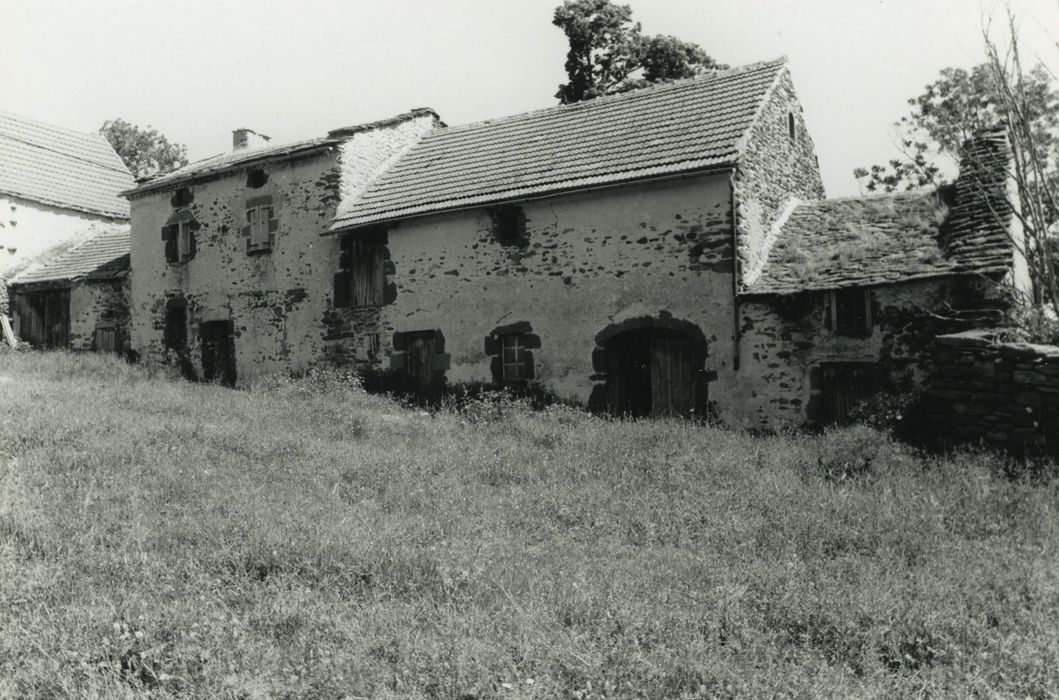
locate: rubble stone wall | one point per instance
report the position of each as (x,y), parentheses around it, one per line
(1005,395)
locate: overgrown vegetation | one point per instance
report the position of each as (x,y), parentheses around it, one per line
(304,539)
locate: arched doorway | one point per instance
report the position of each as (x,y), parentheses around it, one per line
(655,371)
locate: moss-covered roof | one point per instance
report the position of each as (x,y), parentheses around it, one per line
(883,239)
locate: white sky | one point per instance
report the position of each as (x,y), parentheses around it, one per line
(196,69)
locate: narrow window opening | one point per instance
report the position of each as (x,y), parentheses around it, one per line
(176,322)
(183,241)
(256,178)
(509,224)
(181,198)
(791,132)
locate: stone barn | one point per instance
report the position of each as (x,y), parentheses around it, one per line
(79,299)
(666,251)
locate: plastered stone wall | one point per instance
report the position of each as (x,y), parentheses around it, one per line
(774,170)
(28,229)
(95,303)
(1001,394)
(784,338)
(658,251)
(275,299)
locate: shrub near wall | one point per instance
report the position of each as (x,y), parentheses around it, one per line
(1003,394)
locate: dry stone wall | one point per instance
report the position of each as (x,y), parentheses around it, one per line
(1004,395)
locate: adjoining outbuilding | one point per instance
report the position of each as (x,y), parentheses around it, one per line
(79,299)
(55,185)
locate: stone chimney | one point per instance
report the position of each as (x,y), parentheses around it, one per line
(245,139)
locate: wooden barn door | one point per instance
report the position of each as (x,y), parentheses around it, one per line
(44,318)
(654,372)
(218,352)
(672,375)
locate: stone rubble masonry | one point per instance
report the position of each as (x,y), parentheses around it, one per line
(1001,394)
(785,338)
(95,303)
(773,171)
(277,299)
(650,253)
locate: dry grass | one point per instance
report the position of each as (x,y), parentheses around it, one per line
(159,538)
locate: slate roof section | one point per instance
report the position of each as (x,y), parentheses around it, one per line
(869,241)
(665,129)
(103,256)
(856,242)
(61,167)
(233,160)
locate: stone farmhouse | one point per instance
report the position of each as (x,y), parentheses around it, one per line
(78,299)
(667,251)
(56,185)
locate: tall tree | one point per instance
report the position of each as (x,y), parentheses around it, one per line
(950,110)
(609,53)
(999,93)
(145,151)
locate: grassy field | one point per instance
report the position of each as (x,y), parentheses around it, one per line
(302,539)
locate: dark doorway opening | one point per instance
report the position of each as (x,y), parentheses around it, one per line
(44,318)
(218,352)
(656,372)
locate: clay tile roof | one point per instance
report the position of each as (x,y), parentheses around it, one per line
(865,241)
(103,255)
(61,167)
(670,128)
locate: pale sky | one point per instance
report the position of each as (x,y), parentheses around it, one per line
(195,70)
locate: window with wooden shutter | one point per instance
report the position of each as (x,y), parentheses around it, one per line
(183,241)
(851,312)
(259,218)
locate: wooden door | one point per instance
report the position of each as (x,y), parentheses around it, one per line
(44,318)
(419,364)
(673,375)
(843,385)
(218,352)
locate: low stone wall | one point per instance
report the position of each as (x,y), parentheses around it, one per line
(1005,395)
